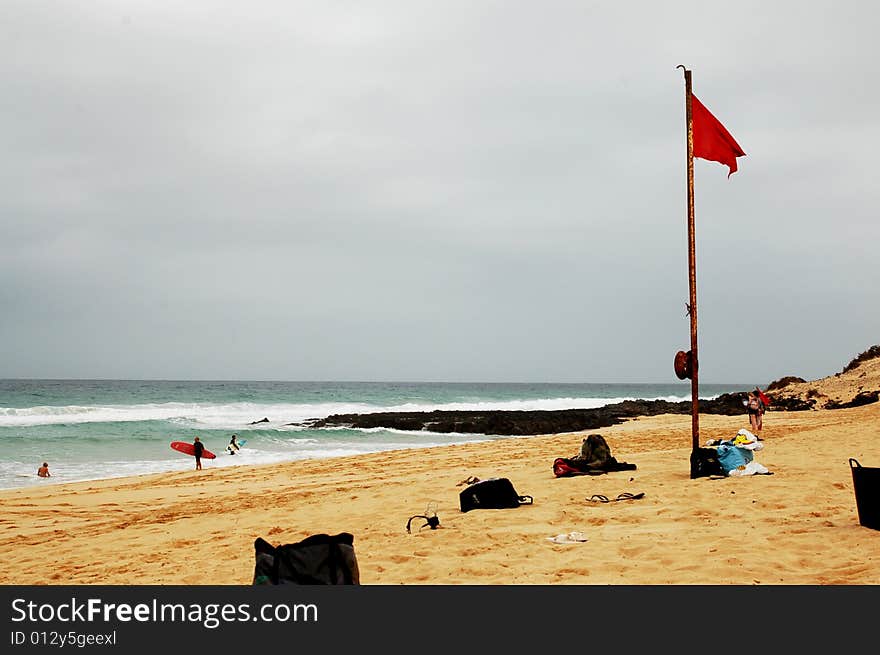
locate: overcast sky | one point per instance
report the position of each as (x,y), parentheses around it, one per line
(409,190)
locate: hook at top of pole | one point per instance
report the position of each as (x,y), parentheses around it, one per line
(681,66)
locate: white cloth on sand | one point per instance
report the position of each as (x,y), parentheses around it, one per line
(752,468)
(745,439)
(569,538)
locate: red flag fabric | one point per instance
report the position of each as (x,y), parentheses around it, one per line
(711,139)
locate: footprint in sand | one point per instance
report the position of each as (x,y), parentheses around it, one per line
(631,552)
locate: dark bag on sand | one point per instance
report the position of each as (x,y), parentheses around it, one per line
(595,458)
(494,493)
(567,466)
(319,559)
(705,462)
(595,452)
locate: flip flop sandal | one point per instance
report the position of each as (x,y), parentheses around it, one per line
(599,498)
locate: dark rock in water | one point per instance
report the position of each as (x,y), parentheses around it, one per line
(262,420)
(511,423)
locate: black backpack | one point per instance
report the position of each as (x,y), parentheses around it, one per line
(319,559)
(705,463)
(494,493)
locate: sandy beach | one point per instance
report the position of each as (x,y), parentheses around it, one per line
(263,220)
(797,526)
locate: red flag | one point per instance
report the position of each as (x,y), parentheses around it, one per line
(711,139)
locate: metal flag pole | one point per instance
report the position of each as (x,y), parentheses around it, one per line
(692,266)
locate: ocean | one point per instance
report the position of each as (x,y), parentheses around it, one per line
(95,429)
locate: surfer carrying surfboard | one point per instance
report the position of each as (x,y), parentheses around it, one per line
(233,445)
(43,471)
(198,449)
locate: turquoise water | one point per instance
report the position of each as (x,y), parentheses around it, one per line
(93,429)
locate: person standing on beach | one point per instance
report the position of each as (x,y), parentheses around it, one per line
(198,449)
(754,406)
(43,471)
(763,401)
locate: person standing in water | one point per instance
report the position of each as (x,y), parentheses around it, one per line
(43,471)
(233,445)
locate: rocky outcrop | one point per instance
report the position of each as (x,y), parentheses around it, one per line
(862,398)
(856,385)
(791,404)
(516,423)
(781,383)
(871,353)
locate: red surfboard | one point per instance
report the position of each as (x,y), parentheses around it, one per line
(187,448)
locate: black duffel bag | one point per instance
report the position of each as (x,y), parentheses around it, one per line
(494,493)
(319,559)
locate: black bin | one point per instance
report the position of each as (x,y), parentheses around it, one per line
(866,482)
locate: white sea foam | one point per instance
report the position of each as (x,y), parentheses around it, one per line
(205,416)
(540,404)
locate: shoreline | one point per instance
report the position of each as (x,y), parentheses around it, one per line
(468,425)
(98,429)
(798,526)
